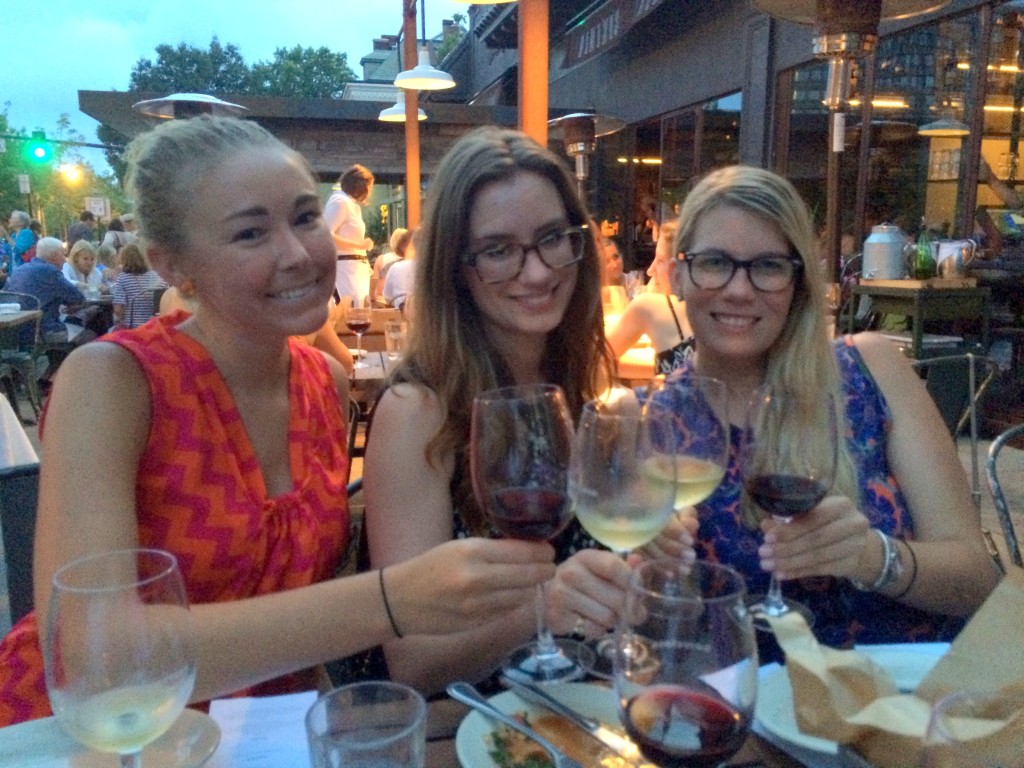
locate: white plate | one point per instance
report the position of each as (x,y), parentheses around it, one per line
(189,743)
(471,744)
(906,664)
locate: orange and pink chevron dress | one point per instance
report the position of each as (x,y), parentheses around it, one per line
(200,494)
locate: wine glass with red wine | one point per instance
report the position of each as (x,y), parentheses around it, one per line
(689,702)
(520,445)
(788,463)
(358,320)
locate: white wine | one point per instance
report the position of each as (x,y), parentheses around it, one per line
(695,479)
(630,517)
(123,720)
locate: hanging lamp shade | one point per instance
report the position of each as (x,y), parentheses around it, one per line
(811,11)
(179,105)
(396,113)
(946,126)
(424,77)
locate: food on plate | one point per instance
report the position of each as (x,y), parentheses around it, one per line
(510,749)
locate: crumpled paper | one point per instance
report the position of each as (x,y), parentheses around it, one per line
(845,697)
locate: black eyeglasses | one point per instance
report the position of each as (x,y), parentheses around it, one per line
(557,248)
(768,272)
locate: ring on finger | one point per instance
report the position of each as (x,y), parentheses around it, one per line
(579,626)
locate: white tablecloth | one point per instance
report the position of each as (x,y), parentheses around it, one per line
(15,447)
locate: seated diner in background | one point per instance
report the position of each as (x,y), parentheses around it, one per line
(81,271)
(510,295)
(226,393)
(895,552)
(43,279)
(400,277)
(656,313)
(134,289)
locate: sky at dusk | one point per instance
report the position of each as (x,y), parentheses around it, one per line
(52,49)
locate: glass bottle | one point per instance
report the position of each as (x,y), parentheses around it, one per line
(922,265)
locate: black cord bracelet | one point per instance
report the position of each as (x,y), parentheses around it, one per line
(387,605)
(913,572)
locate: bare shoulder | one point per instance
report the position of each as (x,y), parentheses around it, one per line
(339,375)
(108,370)
(411,407)
(883,358)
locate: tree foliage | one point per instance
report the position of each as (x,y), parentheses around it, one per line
(303,73)
(187,69)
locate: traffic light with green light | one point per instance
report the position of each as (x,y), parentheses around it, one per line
(38,149)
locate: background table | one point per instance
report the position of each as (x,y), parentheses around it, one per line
(923,304)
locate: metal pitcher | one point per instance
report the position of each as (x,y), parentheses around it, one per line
(883,253)
(953,256)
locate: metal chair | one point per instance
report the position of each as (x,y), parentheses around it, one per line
(22,356)
(998,498)
(957,383)
(19,494)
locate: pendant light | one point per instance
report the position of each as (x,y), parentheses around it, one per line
(396,113)
(947,126)
(424,77)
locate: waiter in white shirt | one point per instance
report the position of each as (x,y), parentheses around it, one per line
(348,229)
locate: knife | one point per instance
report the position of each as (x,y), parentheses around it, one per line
(534,694)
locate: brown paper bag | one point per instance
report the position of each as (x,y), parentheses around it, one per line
(845,697)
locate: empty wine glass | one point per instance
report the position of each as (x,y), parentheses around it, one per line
(358,320)
(520,446)
(120,650)
(622,480)
(700,436)
(786,472)
(974,729)
(689,700)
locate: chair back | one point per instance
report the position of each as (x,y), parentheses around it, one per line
(378,317)
(19,494)
(998,497)
(957,383)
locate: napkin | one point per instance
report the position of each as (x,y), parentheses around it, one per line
(845,697)
(8,308)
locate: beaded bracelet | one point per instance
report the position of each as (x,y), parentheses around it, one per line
(892,566)
(387,605)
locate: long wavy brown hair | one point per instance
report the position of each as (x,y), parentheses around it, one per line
(448,351)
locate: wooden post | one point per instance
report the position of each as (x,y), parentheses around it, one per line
(412,123)
(533,69)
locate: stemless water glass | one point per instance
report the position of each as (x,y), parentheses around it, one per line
(520,446)
(689,700)
(974,729)
(621,482)
(358,320)
(785,472)
(700,437)
(119,650)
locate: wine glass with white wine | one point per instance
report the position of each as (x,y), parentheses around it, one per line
(120,650)
(621,482)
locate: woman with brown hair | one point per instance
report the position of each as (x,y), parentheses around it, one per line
(133,291)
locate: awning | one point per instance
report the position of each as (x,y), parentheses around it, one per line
(603,29)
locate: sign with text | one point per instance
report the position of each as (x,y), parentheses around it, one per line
(602,29)
(100,206)
(24,187)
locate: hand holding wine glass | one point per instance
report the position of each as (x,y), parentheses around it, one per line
(689,700)
(787,471)
(520,446)
(358,320)
(119,650)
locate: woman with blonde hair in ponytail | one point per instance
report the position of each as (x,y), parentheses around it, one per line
(894,553)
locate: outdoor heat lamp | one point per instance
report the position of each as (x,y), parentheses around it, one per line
(843,31)
(184,105)
(579,132)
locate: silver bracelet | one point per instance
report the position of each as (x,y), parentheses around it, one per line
(892,566)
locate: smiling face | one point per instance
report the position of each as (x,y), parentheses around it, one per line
(519,209)
(736,324)
(259,253)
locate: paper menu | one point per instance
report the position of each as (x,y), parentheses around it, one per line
(265,732)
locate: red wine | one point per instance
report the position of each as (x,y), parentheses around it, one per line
(534,514)
(785,495)
(358,326)
(677,727)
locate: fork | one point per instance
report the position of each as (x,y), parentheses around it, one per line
(471,697)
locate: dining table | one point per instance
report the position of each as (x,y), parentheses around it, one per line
(10,320)
(44,744)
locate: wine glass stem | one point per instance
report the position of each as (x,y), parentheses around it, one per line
(131,760)
(359,346)
(546,646)
(774,604)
